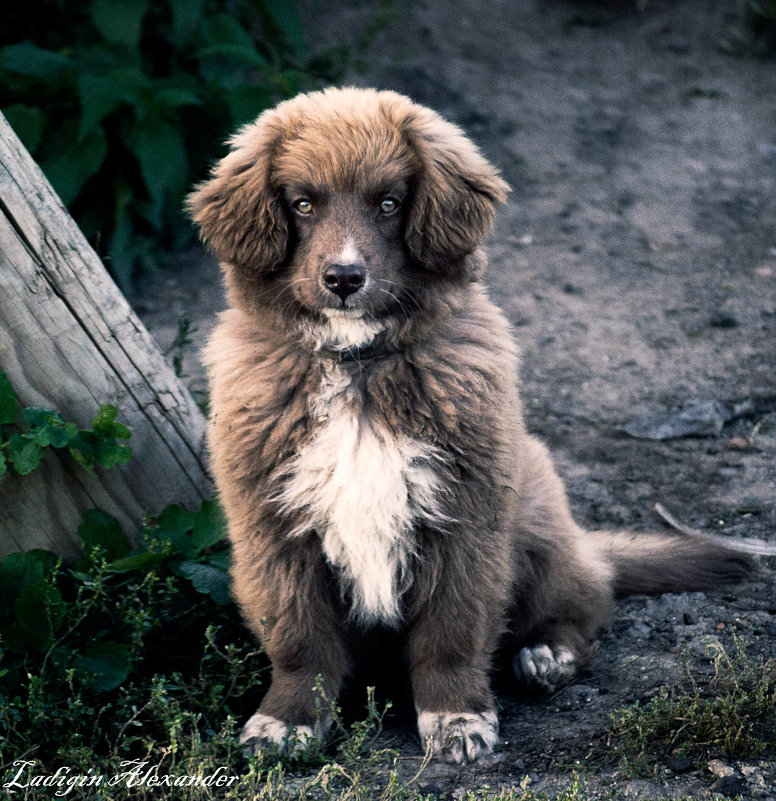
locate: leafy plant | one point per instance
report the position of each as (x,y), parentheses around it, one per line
(23,451)
(124,102)
(122,657)
(179,344)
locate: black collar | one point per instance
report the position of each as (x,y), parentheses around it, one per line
(355,354)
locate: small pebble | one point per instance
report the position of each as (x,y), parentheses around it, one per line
(729,786)
(719,768)
(678,764)
(737,444)
(722,320)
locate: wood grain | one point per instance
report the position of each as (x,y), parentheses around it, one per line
(69,341)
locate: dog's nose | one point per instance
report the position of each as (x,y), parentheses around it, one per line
(344,279)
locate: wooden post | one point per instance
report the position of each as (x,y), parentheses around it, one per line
(69,341)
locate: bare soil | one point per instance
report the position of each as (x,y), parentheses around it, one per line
(637,262)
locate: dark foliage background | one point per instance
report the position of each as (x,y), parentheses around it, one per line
(123,103)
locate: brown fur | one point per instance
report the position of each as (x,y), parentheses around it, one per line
(498,561)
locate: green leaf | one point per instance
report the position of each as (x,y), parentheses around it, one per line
(208,580)
(121,256)
(61,435)
(3,468)
(19,641)
(186,18)
(28,122)
(225,29)
(104,423)
(48,428)
(175,519)
(19,570)
(40,610)
(98,97)
(173,526)
(58,435)
(9,406)
(135,86)
(160,149)
(221,559)
(70,169)
(99,447)
(285,15)
(26,59)
(237,52)
(100,530)
(247,101)
(36,417)
(174,98)
(138,561)
(84,449)
(209,525)
(110,453)
(24,453)
(119,21)
(105,665)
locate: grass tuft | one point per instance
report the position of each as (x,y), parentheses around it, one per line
(733,714)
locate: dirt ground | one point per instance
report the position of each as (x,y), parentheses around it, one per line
(637,261)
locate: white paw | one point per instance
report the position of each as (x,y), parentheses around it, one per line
(459,736)
(262,730)
(543,667)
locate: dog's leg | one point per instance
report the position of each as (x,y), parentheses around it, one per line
(288,602)
(450,647)
(449,671)
(563,585)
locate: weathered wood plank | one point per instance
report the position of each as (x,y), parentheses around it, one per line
(70,341)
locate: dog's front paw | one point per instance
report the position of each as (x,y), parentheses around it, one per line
(543,668)
(459,736)
(262,731)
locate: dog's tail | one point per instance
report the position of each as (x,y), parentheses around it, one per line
(686,562)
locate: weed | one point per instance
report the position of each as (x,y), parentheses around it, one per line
(178,346)
(733,713)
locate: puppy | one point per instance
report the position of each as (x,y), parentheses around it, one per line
(367,437)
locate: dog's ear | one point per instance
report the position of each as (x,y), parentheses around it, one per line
(239,214)
(455,196)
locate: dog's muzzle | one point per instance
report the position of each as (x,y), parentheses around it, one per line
(344,279)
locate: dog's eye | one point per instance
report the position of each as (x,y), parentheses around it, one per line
(388,205)
(303,206)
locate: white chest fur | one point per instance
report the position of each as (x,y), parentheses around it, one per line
(363,490)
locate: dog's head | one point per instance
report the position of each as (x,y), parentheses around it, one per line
(343,202)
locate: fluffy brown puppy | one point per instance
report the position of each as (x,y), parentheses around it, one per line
(367,437)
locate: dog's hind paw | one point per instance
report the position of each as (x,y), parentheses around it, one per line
(543,668)
(262,731)
(459,736)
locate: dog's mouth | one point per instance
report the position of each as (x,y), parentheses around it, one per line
(343,313)
(352,307)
